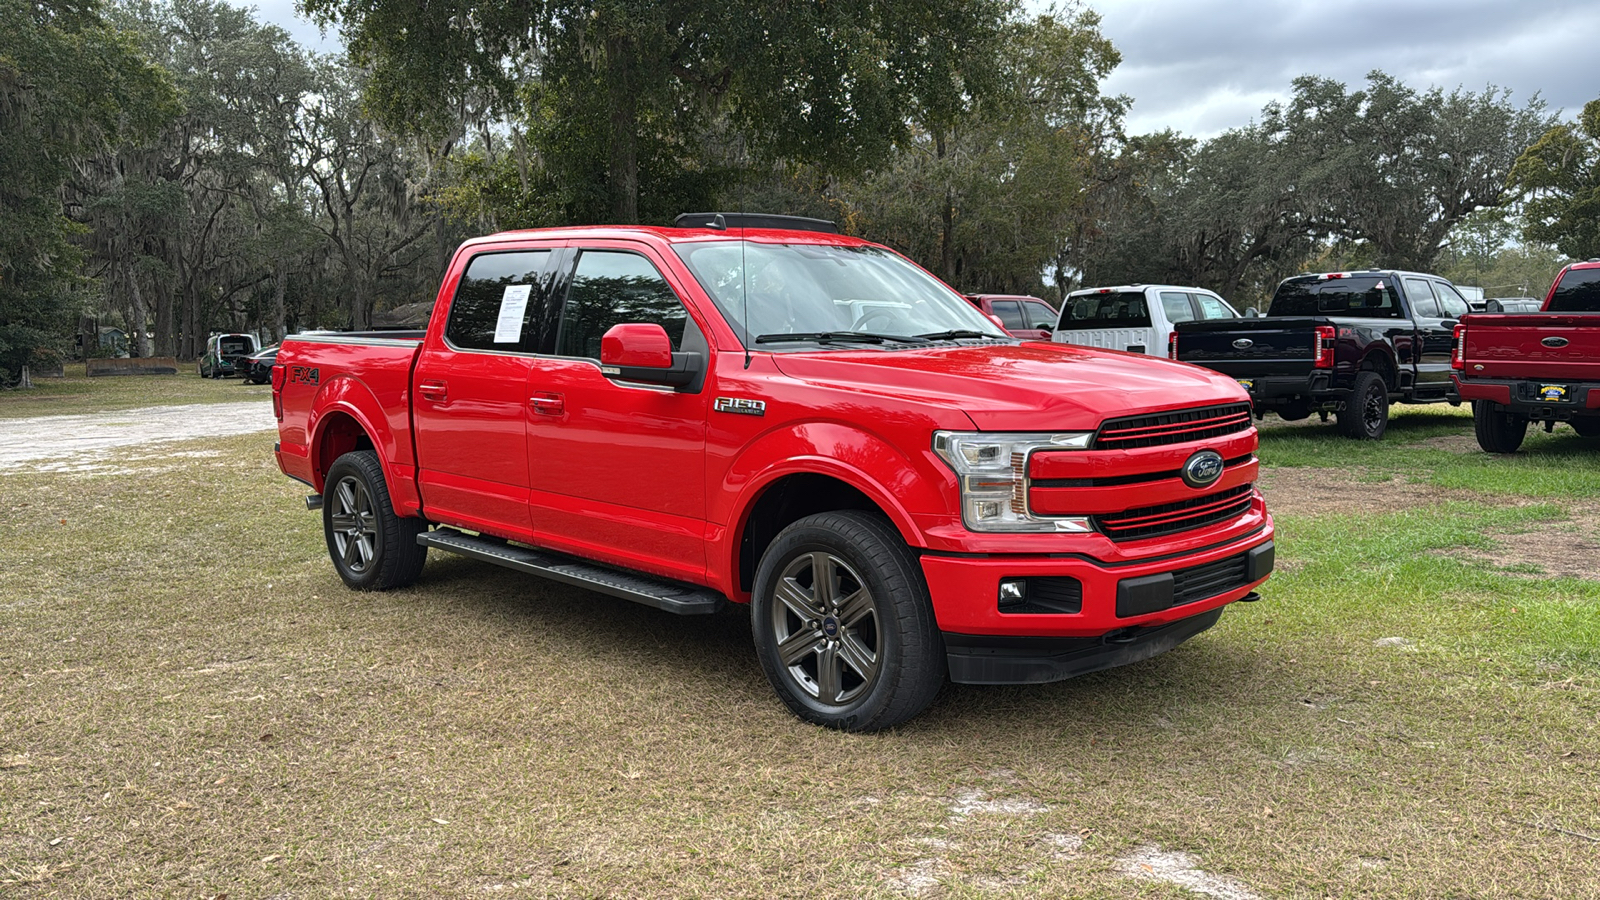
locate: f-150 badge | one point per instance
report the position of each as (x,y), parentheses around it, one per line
(741,405)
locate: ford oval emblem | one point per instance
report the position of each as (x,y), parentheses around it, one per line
(1202,469)
(1555,342)
(1243,344)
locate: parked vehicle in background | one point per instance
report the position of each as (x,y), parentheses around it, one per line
(258,366)
(226,354)
(1347,343)
(1517,368)
(790,418)
(1137,318)
(1511,305)
(1473,295)
(1022,316)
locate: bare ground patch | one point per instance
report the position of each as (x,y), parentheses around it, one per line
(1322,492)
(1562,548)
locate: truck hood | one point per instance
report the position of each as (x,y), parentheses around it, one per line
(1032,386)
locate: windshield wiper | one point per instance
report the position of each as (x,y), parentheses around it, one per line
(839,337)
(957,333)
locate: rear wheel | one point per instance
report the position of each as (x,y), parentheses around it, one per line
(372,548)
(1366,415)
(1498,431)
(1586,427)
(843,624)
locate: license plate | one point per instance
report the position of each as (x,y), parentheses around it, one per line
(1248,384)
(1553,393)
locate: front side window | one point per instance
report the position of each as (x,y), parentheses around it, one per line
(610,287)
(766,291)
(1039,315)
(498,303)
(1176,305)
(1212,308)
(1451,303)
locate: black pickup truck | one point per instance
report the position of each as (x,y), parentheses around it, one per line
(1347,343)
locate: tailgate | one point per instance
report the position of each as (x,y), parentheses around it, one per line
(1542,346)
(1249,348)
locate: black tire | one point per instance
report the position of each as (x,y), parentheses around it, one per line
(1498,431)
(1366,416)
(372,548)
(826,638)
(1586,427)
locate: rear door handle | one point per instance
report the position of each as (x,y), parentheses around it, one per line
(547,403)
(432,390)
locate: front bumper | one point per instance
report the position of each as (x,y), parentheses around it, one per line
(1121,610)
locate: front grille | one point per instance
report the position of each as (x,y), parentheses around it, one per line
(1173,427)
(1171,518)
(1209,580)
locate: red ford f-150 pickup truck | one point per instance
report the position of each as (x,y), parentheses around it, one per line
(794,419)
(1518,368)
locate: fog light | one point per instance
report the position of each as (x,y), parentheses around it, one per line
(1013,590)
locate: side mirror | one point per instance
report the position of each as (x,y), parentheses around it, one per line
(642,352)
(996,319)
(1251,312)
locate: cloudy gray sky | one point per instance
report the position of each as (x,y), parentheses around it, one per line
(1203,66)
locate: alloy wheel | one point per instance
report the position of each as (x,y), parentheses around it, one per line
(826,628)
(355,524)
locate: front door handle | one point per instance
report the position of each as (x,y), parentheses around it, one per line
(547,403)
(432,390)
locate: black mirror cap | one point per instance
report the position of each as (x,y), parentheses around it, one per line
(724,221)
(685,373)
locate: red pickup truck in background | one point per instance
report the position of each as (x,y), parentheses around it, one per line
(1020,315)
(793,419)
(1518,368)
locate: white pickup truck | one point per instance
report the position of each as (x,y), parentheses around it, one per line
(1137,318)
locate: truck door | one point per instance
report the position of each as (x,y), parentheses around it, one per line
(1433,336)
(470,401)
(617,469)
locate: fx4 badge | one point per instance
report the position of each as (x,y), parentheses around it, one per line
(741,406)
(305,375)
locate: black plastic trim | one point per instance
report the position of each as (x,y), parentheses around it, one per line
(1007,659)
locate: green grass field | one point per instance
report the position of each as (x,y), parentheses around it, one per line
(192,705)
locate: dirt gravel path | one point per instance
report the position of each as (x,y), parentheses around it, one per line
(82,442)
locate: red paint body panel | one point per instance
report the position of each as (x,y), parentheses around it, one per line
(549,451)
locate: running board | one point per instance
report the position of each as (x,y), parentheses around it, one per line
(670,596)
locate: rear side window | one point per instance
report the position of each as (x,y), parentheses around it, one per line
(610,287)
(1125,309)
(499,302)
(1176,305)
(1361,296)
(1578,291)
(1010,313)
(1421,297)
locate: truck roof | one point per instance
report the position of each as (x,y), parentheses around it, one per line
(673,235)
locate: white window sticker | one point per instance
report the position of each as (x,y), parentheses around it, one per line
(513,304)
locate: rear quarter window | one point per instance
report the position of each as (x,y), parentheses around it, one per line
(1365,297)
(1577,291)
(1125,309)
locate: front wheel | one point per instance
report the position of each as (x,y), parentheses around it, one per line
(843,624)
(372,548)
(1498,431)
(1366,415)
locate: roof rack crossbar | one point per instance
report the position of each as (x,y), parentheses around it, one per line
(754,220)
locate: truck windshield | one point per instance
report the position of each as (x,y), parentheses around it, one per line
(818,292)
(1578,291)
(1362,296)
(1121,309)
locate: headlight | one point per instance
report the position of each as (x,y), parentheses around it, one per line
(993,470)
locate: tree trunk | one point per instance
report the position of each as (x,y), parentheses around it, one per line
(622,174)
(141,340)
(947,215)
(280,275)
